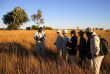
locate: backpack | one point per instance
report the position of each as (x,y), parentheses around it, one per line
(104,46)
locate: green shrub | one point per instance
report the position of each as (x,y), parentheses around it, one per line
(34,27)
(28,28)
(12,27)
(48,28)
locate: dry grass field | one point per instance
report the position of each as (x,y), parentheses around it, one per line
(18,55)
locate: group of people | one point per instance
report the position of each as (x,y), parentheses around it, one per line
(87,49)
(64,46)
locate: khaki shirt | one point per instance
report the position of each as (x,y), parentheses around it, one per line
(94,44)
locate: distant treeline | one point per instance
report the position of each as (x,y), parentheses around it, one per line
(34,27)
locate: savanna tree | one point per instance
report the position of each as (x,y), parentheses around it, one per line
(17,16)
(77,27)
(37,18)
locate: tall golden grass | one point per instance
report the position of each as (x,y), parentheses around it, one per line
(18,55)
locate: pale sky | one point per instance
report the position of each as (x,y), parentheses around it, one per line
(62,14)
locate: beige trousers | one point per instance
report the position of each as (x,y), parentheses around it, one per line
(97,63)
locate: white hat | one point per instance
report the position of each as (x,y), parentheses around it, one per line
(59,31)
(89,29)
(65,31)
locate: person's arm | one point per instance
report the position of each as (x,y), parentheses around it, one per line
(44,37)
(76,43)
(96,46)
(80,45)
(84,45)
(59,42)
(56,41)
(68,44)
(67,41)
(62,42)
(35,36)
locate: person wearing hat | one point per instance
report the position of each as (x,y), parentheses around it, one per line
(88,51)
(94,49)
(59,43)
(65,41)
(72,52)
(82,46)
(40,37)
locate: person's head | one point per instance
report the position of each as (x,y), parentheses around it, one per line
(81,33)
(73,32)
(58,32)
(65,32)
(89,31)
(40,29)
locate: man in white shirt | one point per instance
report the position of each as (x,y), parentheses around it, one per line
(95,50)
(40,37)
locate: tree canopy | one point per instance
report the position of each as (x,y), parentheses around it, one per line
(17,16)
(7,18)
(37,18)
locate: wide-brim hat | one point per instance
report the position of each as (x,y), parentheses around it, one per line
(65,31)
(89,29)
(58,31)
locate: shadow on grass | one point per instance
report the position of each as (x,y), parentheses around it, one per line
(20,50)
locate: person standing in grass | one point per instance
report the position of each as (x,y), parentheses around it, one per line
(82,47)
(59,43)
(72,52)
(40,37)
(65,41)
(88,51)
(97,57)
